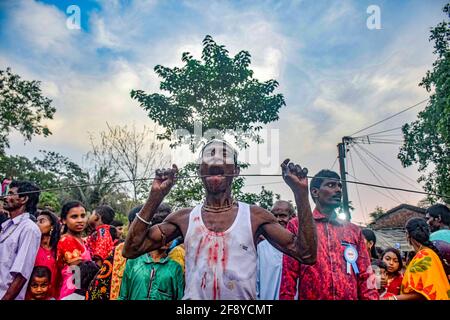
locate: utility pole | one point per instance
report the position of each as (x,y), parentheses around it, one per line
(342,150)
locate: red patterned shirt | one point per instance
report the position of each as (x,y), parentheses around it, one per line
(100,242)
(328,278)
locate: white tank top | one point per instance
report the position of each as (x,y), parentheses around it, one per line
(220,265)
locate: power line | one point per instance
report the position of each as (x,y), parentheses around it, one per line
(243,175)
(390,117)
(391,169)
(376,133)
(357,190)
(379,179)
(334,163)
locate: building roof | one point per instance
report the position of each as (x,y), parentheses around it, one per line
(405,206)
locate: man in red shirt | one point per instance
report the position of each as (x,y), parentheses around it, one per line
(343,269)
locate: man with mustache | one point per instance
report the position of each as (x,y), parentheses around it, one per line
(220,234)
(20,238)
(343,265)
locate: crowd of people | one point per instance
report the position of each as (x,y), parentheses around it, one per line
(220,249)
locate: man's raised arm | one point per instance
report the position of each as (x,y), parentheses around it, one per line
(141,237)
(303,245)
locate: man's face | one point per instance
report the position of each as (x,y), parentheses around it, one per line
(217,164)
(433,222)
(281,211)
(13,201)
(330,193)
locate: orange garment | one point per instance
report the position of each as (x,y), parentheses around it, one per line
(425,275)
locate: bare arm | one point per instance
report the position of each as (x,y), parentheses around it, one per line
(302,246)
(141,238)
(15,287)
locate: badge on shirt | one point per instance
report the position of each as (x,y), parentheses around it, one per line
(351,255)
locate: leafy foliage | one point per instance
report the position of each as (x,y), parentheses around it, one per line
(218,91)
(22,107)
(427,140)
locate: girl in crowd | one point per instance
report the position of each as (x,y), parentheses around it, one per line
(71,248)
(40,286)
(394,264)
(371,241)
(49,225)
(424,277)
(88,270)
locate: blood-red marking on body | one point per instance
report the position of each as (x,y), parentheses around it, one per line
(224,255)
(216,289)
(203,284)
(199,248)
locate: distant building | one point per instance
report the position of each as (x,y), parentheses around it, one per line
(389,228)
(397,217)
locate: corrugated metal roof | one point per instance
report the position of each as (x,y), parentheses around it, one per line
(392,238)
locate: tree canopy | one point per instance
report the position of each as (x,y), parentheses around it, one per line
(22,107)
(427,139)
(217,91)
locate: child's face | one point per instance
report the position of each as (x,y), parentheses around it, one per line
(391,261)
(39,288)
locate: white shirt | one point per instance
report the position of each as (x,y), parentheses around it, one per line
(220,265)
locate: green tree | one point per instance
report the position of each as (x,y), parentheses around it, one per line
(377,213)
(427,139)
(50,201)
(218,91)
(22,107)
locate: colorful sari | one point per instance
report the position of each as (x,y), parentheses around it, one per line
(70,251)
(106,284)
(425,275)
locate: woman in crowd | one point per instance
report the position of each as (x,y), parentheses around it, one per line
(424,277)
(71,248)
(50,227)
(371,241)
(394,264)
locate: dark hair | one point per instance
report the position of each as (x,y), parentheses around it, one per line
(40,272)
(67,207)
(440,210)
(32,192)
(399,257)
(106,213)
(113,232)
(370,236)
(117,223)
(379,263)
(88,270)
(133,212)
(320,177)
(56,232)
(161,213)
(419,230)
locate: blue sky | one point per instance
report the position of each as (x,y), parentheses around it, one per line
(336,74)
